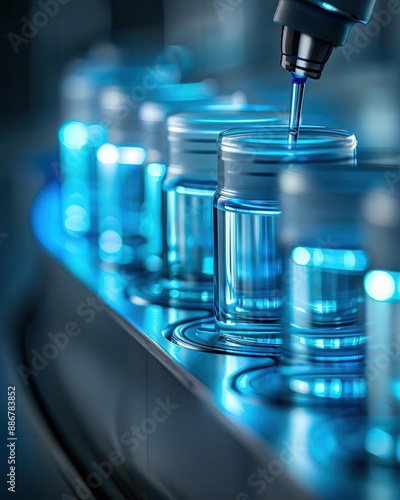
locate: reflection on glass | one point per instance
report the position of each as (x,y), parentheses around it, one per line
(78,147)
(327,295)
(120,193)
(189,230)
(383,365)
(153,178)
(249,265)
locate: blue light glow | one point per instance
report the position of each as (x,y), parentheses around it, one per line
(301,256)
(156,169)
(330,7)
(380,285)
(78,146)
(379,443)
(192,191)
(395,388)
(74,135)
(97,135)
(319,387)
(336,389)
(300,386)
(76,219)
(318,257)
(110,242)
(108,154)
(351,260)
(132,155)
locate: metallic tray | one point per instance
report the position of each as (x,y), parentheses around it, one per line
(176,422)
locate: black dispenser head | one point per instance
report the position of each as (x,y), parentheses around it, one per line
(311,29)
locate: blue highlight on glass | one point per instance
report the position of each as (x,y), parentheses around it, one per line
(78,144)
(119,170)
(326,288)
(153,179)
(352,260)
(383,286)
(381,215)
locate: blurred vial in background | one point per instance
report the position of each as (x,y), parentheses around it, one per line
(162,102)
(109,89)
(326,261)
(382,284)
(247,210)
(98,96)
(153,115)
(78,145)
(188,189)
(119,185)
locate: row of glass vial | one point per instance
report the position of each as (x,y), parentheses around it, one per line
(281,214)
(305,256)
(326,268)
(105,184)
(271,235)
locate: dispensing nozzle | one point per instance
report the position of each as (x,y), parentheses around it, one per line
(303,54)
(312,29)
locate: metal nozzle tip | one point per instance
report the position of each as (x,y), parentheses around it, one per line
(304,55)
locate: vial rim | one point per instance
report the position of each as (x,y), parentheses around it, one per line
(198,121)
(272,141)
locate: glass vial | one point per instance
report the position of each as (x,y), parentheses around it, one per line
(382,285)
(189,188)
(153,113)
(247,211)
(119,190)
(326,262)
(78,145)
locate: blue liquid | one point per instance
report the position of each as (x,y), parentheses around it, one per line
(248,268)
(326,303)
(189,252)
(296,106)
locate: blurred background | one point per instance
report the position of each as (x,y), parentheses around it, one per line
(233,43)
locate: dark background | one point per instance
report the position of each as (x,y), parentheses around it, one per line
(362,96)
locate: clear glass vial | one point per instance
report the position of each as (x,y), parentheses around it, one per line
(247,211)
(382,284)
(326,262)
(153,113)
(188,190)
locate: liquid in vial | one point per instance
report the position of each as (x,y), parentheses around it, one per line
(248,268)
